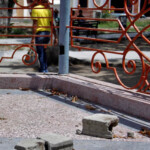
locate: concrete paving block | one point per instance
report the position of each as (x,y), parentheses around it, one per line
(57,142)
(31,144)
(99,125)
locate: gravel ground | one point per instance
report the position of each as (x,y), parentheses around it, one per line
(31,113)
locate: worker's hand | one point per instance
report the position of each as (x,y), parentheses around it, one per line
(55,41)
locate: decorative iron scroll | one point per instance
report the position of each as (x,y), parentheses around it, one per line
(129,68)
(26,58)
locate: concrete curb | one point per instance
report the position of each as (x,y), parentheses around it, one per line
(99,92)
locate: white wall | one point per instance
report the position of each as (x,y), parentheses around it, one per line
(56,2)
(91,4)
(26,11)
(75,3)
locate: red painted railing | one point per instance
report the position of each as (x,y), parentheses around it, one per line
(25,58)
(143,84)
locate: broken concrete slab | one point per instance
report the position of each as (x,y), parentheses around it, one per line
(31,144)
(56,142)
(99,125)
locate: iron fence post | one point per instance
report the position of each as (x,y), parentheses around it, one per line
(64,37)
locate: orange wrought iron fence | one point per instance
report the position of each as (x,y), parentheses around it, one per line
(129,67)
(86,28)
(21,27)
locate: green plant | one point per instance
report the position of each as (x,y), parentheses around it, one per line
(141,23)
(108,24)
(105,14)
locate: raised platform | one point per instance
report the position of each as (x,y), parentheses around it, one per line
(106,94)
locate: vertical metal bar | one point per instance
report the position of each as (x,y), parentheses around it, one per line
(64,36)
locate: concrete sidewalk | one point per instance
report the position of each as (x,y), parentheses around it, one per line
(113,59)
(84,56)
(110,145)
(87,56)
(8,144)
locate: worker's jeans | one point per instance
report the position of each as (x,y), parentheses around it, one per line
(41,50)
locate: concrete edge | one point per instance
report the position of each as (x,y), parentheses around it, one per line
(106,94)
(30,81)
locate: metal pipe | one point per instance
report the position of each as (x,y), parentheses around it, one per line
(64,37)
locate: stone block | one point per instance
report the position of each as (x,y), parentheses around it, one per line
(57,142)
(31,144)
(99,125)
